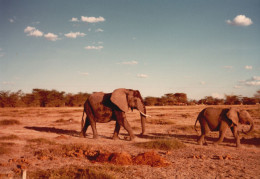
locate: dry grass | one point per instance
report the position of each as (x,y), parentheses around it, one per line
(9,137)
(160,121)
(5,148)
(162,144)
(48,139)
(72,172)
(41,141)
(6,122)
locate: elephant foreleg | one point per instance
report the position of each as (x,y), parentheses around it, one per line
(116,132)
(121,119)
(236,135)
(94,128)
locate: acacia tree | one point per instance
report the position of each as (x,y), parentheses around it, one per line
(77,99)
(257,96)
(10,99)
(233,99)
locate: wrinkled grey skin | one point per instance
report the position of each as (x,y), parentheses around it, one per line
(217,119)
(104,107)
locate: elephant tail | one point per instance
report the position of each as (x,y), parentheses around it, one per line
(195,124)
(199,116)
(82,119)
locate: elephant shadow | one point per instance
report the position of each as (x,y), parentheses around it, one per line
(73,133)
(192,139)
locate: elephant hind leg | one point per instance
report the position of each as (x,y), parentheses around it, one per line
(85,127)
(116,132)
(204,131)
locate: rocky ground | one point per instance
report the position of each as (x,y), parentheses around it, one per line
(45,143)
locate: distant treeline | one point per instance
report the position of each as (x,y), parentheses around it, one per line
(54,98)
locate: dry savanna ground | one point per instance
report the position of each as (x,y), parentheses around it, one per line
(45,143)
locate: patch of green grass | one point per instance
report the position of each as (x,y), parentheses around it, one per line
(9,137)
(162,144)
(9,122)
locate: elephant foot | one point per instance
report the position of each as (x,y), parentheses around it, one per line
(141,134)
(81,135)
(116,138)
(95,137)
(239,146)
(200,142)
(132,138)
(215,143)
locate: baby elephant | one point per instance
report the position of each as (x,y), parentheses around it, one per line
(218,119)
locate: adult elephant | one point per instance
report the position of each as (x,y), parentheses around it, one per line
(104,107)
(218,119)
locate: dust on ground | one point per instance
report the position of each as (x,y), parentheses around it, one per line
(45,143)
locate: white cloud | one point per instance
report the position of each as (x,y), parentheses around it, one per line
(74,19)
(217,95)
(29,29)
(51,37)
(228,67)
(129,63)
(92,19)
(8,83)
(84,73)
(142,76)
(94,47)
(240,20)
(257,78)
(237,87)
(1,53)
(247,67)
(99,30)
(202,82)
(35,33)
(32,31)
(74,35)
(254,81)
(11,20)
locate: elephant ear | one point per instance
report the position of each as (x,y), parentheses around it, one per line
(232,114)
(118,97)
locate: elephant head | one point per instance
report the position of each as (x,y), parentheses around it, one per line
(240,116)
(127,98)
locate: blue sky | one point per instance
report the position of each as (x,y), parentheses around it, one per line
(202,48)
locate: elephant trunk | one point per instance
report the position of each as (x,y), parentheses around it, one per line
(251,122)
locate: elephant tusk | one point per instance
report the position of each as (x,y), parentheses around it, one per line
(146,115)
